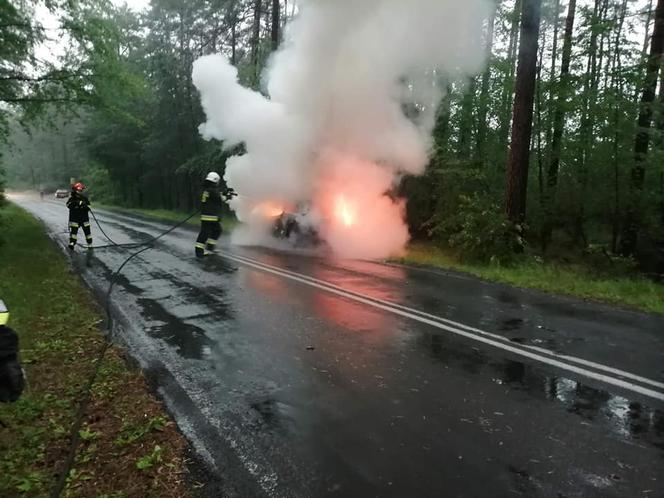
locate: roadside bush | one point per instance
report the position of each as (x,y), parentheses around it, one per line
(599,259)
(480,232)
(436,194)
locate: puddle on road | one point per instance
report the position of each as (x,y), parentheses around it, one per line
(190,341)
(273,415)
(625,418)
(555,344)
(511,324)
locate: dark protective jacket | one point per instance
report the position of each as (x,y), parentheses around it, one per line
(78,205)
(210,202)
(11,373)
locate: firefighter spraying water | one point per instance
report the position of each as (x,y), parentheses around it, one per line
(211,204)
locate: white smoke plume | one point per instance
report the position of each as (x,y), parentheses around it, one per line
(332,129)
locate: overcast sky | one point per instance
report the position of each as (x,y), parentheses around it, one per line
(133,4)
(55,46)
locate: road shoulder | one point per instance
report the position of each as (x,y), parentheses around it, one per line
(129,446)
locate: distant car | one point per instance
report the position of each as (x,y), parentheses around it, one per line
(60,193)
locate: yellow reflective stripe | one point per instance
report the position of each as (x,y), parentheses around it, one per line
(4,318)
(73,237)
(212,242)
(200,245)
(86,224)
(206,217)
(73,225)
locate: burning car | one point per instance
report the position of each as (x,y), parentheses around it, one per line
(297,228)
(301,226)
(297,224)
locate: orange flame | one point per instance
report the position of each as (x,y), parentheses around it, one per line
(344,211)
(268,210)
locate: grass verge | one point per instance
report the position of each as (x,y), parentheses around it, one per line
(227,222)
(129,446)
(572,280)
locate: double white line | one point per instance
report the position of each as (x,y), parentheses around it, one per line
(584,368)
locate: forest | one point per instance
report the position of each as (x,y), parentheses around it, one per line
(555,148)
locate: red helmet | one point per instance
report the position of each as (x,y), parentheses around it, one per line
(79,187)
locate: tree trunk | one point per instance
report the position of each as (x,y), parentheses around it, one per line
(517,173)
(484,88)
(642,140)
(604,12)
(234,44)
(561,103)
(610,49)
(552,93)
(558,127)
(276,14)
(466,121)
(441,130)
(659,122)
(646,38)
(617,89)
(644,51)
(589,91)
(256,40)
(234,22)
(508,86)
(537,141)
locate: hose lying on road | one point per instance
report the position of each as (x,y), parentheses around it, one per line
(112,242)
(131,244)
(57,490)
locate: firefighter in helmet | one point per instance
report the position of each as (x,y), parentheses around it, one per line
(12,380)
(211,202)
(79,207)
(210,215)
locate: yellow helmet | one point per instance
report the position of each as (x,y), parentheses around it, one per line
(4,313)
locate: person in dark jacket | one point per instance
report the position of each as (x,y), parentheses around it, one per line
(79,207)
(210,216)
(12,381)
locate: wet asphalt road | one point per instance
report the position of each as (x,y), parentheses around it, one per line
(302,376)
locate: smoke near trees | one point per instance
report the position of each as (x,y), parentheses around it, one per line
(332,127)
